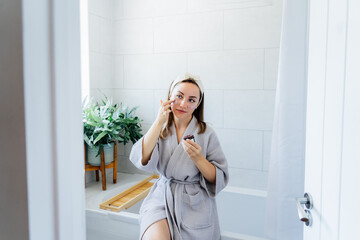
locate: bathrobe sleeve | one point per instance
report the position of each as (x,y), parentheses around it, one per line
(136,157)
(215,155)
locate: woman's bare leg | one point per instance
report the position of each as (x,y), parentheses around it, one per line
(158,231)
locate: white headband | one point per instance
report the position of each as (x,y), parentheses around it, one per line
(187,76)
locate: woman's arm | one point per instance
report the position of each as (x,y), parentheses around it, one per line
(152,135)
(207,169)
(149,141)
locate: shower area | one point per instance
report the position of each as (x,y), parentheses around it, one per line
(137,47)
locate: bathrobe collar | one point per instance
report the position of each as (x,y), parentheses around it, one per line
(176,149)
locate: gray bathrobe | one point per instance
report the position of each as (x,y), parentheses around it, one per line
(181,194)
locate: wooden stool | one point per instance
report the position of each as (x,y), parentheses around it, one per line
(102,167)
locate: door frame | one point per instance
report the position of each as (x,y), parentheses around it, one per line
(54,142)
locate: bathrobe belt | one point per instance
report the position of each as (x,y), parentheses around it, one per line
(173,219)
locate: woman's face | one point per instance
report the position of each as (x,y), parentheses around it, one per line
(187,96)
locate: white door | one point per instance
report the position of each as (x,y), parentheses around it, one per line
(332,174)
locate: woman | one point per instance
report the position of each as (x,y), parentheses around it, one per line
(181,204)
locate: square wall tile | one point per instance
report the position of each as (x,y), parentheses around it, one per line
(94,33)
(128,148)
(267,150)
(271,68)
(214,108)
(103,8)
(169,7)
(118,71)
(153,71)
(249,109)
(138,8)
(248,178)
(213,5)
(143,99)
(101,70)
(134,36)
(230,69)
(118,10)
(146,8)
(120,149)
(252,28)
(243,149)
(195,32)
(126,166)
(107,36)
(160,94)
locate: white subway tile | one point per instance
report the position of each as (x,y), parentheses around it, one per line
(242,148)
(103,8)
(169,34)
(128,147)
(99,7)
(138,8)
(160,94)
(131,9)
(126,166)
(139,72)
(92,6)
(118,11)
(195,32)
(248,178)
(153,71)
(213,108)
(213,5)
(271,68)
(229,69)
(267,150)
(107,36)
(134,36)
(252,28)
(118,72)
(120,150)
(169,7)
(143,99)
(101,70)
(94,33)
(249,109)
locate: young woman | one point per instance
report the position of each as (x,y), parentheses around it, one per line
(187,154)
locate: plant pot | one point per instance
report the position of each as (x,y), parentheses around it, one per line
(96,161)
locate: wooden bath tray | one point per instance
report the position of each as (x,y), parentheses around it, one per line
(130,196)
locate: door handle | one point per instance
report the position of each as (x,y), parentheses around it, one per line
(304,214)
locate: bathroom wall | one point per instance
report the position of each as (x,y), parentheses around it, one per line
(137,47)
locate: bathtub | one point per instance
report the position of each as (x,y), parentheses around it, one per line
(241,214)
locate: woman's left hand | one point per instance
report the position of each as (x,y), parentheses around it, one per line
(193,150)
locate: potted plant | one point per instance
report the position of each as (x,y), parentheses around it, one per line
(106,123)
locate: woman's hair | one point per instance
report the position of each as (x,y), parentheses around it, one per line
(198,113)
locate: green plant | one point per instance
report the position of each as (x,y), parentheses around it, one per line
(109,122)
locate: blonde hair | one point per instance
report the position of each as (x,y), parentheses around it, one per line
(198,113)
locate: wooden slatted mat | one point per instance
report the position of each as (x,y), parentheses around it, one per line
(130,196)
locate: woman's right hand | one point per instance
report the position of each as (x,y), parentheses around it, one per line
(164,111)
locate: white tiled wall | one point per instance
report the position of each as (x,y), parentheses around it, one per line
(137,47)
